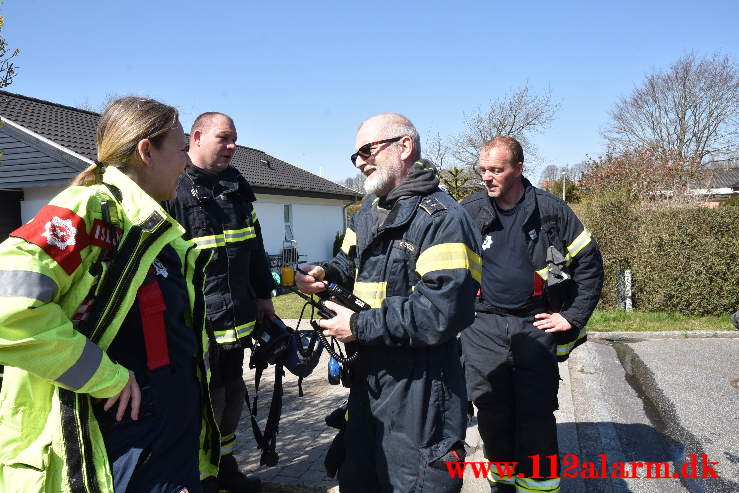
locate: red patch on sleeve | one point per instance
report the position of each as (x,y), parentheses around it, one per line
(104,237)
(60,232)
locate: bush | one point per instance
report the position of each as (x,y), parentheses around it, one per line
(613,222)
(732,201)
(687,260)
(338,240)
(683,257)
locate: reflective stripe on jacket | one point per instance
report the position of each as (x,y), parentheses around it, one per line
(49,439)
(217,213)
(550,221)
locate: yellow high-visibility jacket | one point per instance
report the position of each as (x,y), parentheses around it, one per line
(49,438)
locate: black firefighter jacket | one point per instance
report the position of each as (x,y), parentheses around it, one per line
(217,212)
(550,221)
(418,267)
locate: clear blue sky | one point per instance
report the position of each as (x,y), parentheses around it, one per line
(298,77)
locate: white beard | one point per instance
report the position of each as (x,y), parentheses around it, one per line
(381,180)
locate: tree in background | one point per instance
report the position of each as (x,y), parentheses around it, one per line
(7,72)
(641,175)
(572,194)
(7,68)
(551,173)
(520,114)
(459,182)
(552,176)
(692,110)
(355,183)
(437,151)
(682,256)
(576,171)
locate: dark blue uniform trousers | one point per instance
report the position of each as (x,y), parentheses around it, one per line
(512,377)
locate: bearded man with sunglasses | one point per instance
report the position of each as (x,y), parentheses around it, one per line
(411,253)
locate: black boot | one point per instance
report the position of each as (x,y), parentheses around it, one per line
(233,480)
(209,485)
(502,488)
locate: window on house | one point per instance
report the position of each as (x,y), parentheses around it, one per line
(288,217)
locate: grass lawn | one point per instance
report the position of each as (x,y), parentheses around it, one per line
(289,306)
(620,321)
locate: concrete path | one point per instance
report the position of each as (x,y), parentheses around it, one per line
(637,397)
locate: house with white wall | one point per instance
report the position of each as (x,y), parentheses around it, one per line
(44,145)
(719,181)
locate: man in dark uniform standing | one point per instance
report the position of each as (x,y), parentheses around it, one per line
(214,204)
(411,254)
(541,279)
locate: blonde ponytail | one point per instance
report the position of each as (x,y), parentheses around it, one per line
(90,176)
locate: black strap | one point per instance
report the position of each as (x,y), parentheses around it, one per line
(536,305)
(267,440)
(254,425)
(257,378)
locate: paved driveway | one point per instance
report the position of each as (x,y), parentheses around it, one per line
(658,398)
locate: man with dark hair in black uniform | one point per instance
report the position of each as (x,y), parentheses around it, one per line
(214,204)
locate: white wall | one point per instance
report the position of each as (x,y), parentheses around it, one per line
(34,199)
(315,224)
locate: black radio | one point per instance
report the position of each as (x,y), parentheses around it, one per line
(338,369)
(343,296)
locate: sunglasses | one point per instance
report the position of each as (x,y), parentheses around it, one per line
(366,150)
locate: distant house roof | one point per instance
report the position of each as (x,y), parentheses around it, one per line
(718,179)
(39,135)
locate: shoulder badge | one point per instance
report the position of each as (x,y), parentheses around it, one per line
(60,232)
(431,205)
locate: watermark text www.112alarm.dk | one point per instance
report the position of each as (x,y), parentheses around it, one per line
(695,466)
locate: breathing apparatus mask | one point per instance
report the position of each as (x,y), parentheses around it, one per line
(271,340)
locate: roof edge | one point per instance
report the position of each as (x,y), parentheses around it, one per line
(69,156)
(293,192)
(52,103)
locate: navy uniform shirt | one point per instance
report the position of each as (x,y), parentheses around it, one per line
(507,273)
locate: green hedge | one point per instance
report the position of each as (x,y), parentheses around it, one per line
(683,259)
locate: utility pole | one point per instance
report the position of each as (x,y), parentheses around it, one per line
(564,180)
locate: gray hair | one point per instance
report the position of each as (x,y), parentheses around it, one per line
(400,127)
(396,125)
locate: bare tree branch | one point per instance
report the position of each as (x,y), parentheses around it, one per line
(550,173)
(519,114)
(691,109)
(356,182)
(7,68)
(436,150)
